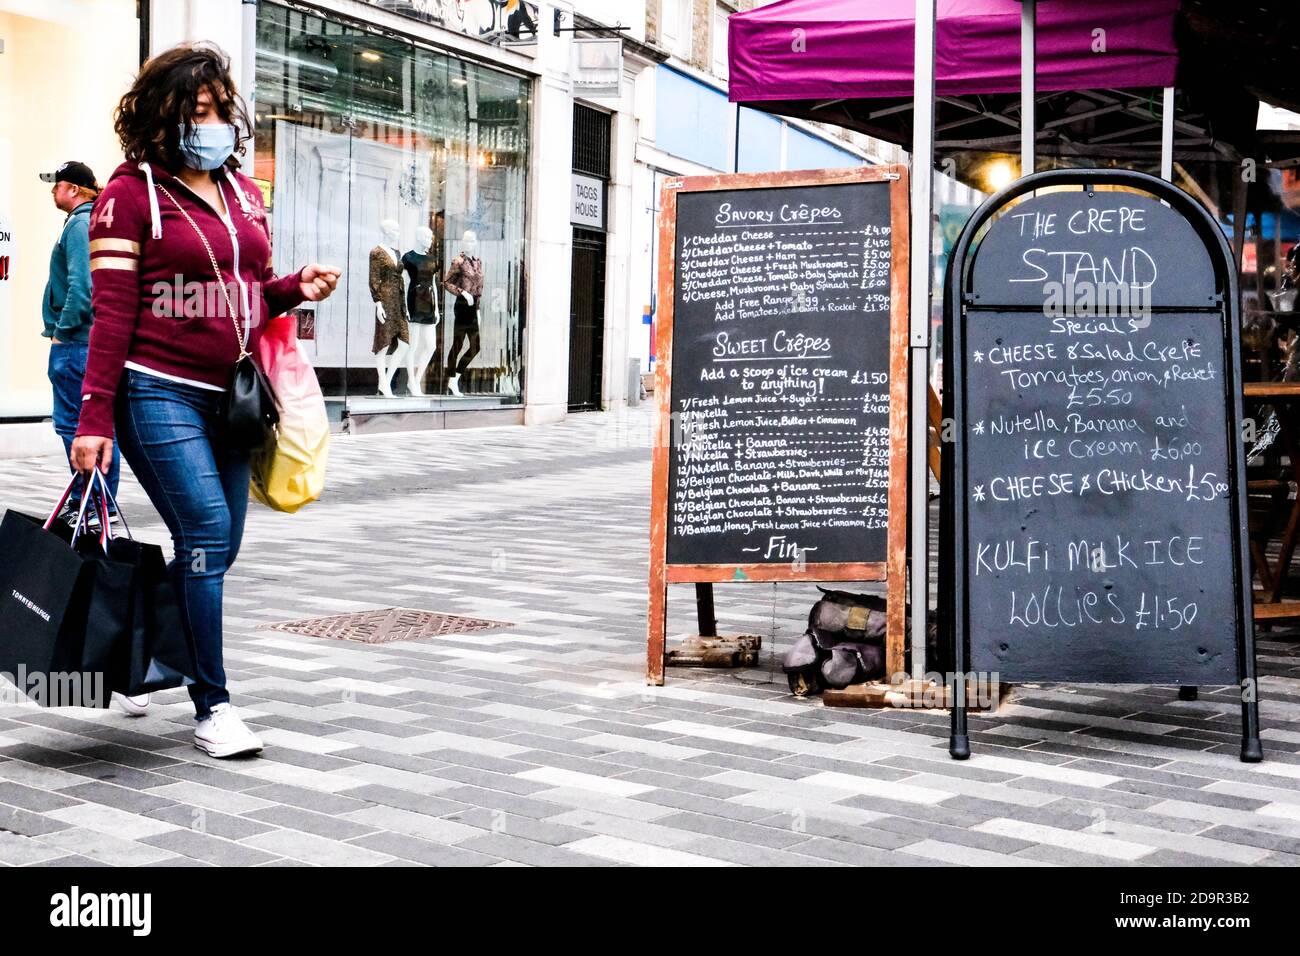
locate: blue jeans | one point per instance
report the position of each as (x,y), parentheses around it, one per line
(169,433)
(67,369)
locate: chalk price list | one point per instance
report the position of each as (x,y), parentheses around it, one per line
(1096,477)
(782,429)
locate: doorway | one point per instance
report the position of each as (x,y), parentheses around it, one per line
(591,168)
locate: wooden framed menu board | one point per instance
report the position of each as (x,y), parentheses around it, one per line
(781,385)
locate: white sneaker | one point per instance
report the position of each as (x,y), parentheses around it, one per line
(134,706)
(452,386)
(223,734)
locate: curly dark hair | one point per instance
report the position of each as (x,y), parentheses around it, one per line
(163,97)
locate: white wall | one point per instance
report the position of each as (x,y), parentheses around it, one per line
(628,13)
(550,250)
(218,21)
(59,84)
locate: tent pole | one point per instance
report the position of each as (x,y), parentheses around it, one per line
(921,272)
(1167,136)
(1027,67)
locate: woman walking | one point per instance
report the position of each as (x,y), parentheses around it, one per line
(178,212)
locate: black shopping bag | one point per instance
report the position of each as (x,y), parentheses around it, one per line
(156,650)
(50,576)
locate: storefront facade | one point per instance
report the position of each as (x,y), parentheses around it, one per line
(404,142)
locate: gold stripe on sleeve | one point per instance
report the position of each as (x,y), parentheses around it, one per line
(114,245)
(114,262)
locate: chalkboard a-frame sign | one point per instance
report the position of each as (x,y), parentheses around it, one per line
(781,386)
(1093,523)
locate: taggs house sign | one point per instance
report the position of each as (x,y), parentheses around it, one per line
(1094,513)
(782,382)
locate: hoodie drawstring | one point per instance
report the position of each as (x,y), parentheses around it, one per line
(239,193)
(154,215)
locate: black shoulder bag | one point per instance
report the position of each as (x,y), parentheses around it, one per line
(249,409)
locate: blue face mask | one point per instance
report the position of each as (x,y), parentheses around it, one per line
(208,146)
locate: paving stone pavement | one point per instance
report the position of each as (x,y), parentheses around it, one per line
(539,744)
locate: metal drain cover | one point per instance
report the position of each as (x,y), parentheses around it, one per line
(385,625)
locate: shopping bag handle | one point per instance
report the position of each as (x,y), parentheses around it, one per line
(88,493)
(63,500)
(86,496)
(107,497)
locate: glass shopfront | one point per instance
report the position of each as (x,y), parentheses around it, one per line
(408,169)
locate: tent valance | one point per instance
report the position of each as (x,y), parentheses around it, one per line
(833,49)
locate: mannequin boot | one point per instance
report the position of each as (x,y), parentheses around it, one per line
(452,384)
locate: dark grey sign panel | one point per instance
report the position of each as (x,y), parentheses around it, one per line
(1099,519)
(1069,244)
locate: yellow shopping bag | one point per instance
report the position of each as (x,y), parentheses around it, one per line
(290,471)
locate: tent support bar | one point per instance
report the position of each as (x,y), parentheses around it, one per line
(1027,68)
(919,338)
(1167,136)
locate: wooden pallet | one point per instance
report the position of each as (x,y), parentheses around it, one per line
(911,694)
(699,650)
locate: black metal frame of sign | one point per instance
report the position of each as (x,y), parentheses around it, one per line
(1121,639)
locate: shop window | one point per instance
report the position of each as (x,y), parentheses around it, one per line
(675,27)
(408,169)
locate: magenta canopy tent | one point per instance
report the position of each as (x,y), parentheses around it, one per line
(835,49)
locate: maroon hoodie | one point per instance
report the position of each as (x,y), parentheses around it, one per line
(155,297)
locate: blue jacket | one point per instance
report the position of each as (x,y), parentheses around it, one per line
(66,305)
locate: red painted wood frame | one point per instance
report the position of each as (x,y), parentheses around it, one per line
(893,570)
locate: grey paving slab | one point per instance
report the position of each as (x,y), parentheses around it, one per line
(528,852)
(424,852)
(209,849)
(539,744)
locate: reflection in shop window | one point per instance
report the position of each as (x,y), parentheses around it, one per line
(398,164)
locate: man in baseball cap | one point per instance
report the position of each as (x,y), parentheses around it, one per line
(78,174)
(66,304)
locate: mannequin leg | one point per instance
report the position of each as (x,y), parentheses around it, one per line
(385,376)
(423,338)
(473,346)
(396,361)
(453,360)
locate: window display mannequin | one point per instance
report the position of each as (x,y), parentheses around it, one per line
(422,270)
(465,281)
(392,330)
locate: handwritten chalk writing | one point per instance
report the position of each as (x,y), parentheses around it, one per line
(1132,266)
(728,214)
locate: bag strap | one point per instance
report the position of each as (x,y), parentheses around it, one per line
(112,502)
(89,494)
(63,500)
(216,269)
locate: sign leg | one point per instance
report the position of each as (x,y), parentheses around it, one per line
(1252,751)
(657,626)
(704,612)
(958,736)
